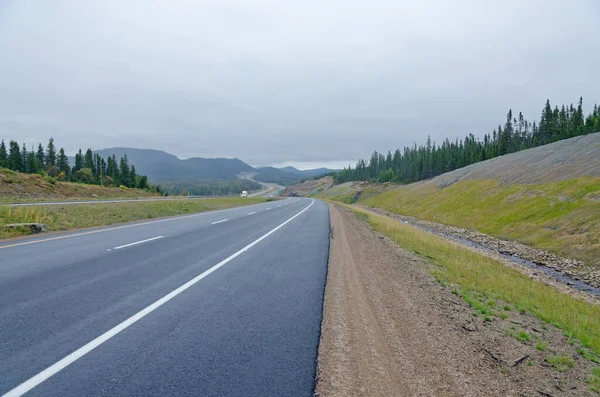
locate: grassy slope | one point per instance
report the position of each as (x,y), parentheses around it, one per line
(479,280)
(69,217)
(15,186)
(562,217)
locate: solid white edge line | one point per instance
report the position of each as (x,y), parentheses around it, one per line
(82,351)
(137,242)
(222,220)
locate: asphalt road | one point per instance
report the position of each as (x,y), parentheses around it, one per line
(227,303)
(269,188)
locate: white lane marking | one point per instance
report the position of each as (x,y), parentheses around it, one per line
(269,208)
(82,351)
(123,227)
(250,213)
(222,220)
(137,242)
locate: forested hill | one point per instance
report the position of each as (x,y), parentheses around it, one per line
(86,167)
(163,167)
(429,160)
(289,175)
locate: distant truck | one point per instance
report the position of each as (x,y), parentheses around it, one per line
(244,194)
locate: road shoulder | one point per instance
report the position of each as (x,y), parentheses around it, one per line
(389,329)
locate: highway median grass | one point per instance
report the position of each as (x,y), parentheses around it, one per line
(77,216)
(478,275)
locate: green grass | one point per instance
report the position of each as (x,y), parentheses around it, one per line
(523,337)
(561,363)
(76,216)
(541,346)
(594,381)
(588,355)
(342,193)
(561,217)
(478,275)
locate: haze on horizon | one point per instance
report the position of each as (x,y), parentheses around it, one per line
(288,83)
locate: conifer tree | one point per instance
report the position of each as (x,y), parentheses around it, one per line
(63,163)
(41,155)
(24,162)
(124,180)
(33,163)
(79,162)
(132,177)
(50,160)
(3,155)
(15,162)
(88,161)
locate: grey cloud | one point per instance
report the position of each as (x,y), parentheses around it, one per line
(275,82)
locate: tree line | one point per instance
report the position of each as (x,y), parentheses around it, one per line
(429,160)
(223,188)
(89,167)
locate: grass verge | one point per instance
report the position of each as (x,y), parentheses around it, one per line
(76,216)
(561,217)
(480,275)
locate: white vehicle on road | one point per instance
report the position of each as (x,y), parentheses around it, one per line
(244,194)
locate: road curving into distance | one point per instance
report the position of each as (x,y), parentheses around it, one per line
(220,303)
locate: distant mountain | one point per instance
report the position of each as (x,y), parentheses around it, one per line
(288,175)
(293,170)
(164,168)
(161,167)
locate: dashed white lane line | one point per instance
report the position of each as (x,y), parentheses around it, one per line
(222,220)
(268,208)
(85,349)
(137,242)
(250,213)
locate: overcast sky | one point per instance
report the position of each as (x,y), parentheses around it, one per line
(308,82)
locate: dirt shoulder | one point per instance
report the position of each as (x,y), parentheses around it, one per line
(389,329)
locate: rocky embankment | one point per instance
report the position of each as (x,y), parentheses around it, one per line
(308,187)
(574,269)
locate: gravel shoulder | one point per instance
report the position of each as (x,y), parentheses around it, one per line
(389,329)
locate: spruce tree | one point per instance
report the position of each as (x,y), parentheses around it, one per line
(88,161)
(33,163)
(132,177)
(79,161)
(24,162)
(114,170)
(41,155)
(15,162)
(124,171)
(63,163)
(3,155)
(50,160)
